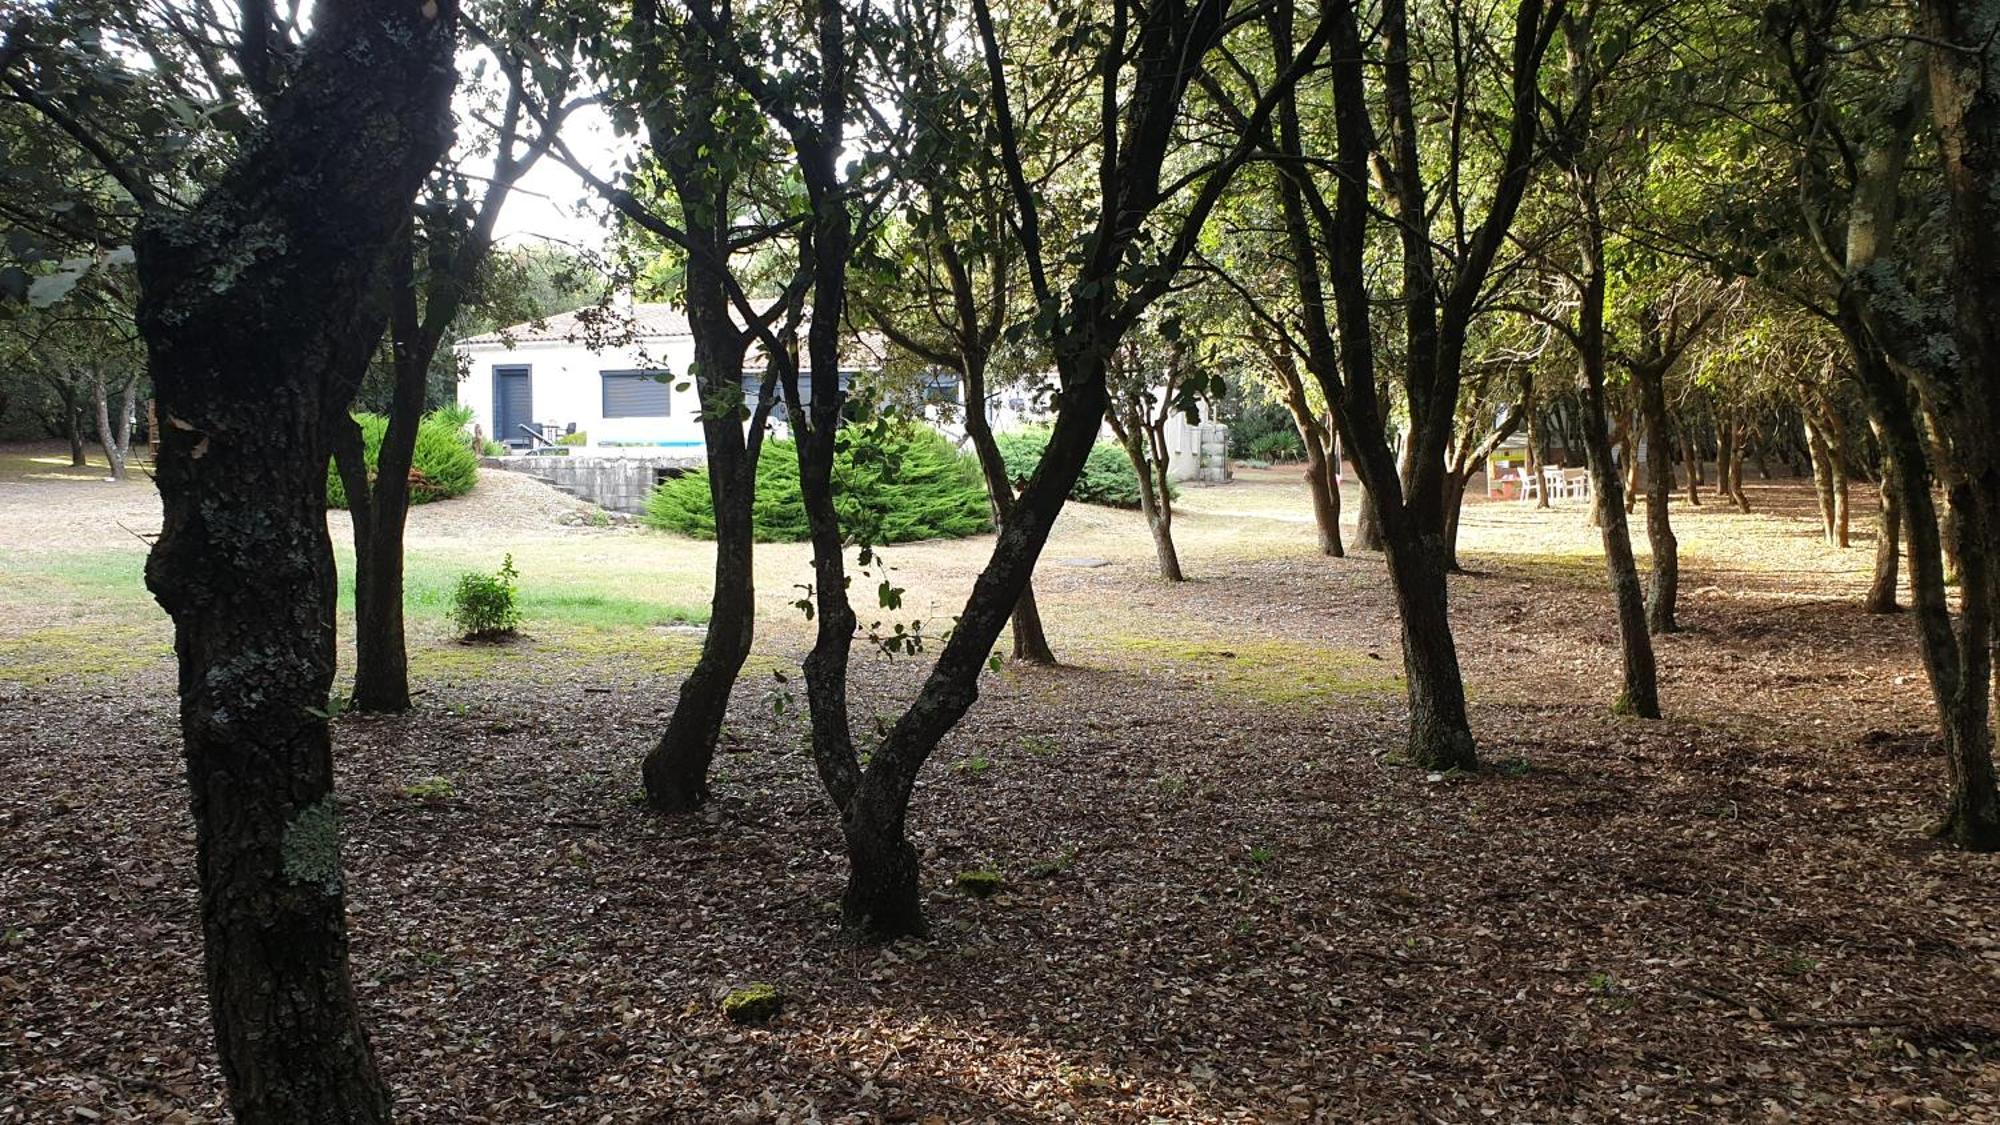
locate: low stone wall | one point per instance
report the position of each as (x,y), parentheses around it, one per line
(620,484)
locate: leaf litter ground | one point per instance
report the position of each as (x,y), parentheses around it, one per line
(1221,901)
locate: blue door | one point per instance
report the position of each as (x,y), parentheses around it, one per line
(513,405)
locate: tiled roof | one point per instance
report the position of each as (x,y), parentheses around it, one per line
(640,321)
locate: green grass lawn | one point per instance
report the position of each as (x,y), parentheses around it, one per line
(88,613)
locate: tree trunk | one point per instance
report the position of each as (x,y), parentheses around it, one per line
(1733,483)
(1822,470)
(1640,694)
(1888,551)
(1690,451)
(1534,469)
(115,437)
(676,771)
(73,423)
(293,235)
(381,656)
(1324,488)
(1031,641)
(1367,526)
(1454,504)
(1964,78)
(1322,467)
(1664,591)
(1630,451)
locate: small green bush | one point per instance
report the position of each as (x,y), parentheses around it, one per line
(1107,476)
(893,483)
(443,465)
(486,606)
(581,437)
(1278,445)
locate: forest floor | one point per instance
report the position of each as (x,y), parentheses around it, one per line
(1223,900)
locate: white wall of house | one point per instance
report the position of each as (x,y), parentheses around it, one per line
(567,388)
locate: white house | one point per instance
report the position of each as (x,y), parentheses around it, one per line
(609,373)
(620,376)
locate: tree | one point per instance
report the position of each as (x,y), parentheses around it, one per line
(710,192)
(945,285)
(290,238)
(1151,54)
(1584,144)
(1144,398)
(439,259)
(1444,281)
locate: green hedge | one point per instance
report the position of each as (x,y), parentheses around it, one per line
(1107,477)
(444,464)
(905,481)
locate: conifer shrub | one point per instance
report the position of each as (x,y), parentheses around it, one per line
(894,482)
(1107,477)
(443,465)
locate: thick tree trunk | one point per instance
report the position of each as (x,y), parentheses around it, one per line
(296,232)
(1964,75)
(1440,734)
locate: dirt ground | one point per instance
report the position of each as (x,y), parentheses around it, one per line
(1222,902)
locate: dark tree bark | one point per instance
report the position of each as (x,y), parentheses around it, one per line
(1436,313)
(291,241)
(1031,640)
(1965,104)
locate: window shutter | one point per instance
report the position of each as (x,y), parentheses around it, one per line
(636,394)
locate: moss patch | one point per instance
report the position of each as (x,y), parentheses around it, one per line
(983,883)
(87,651)
(1281,672)
(753,1003)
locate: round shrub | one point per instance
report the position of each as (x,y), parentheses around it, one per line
(892,483)
(443,465)
(1107,476)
